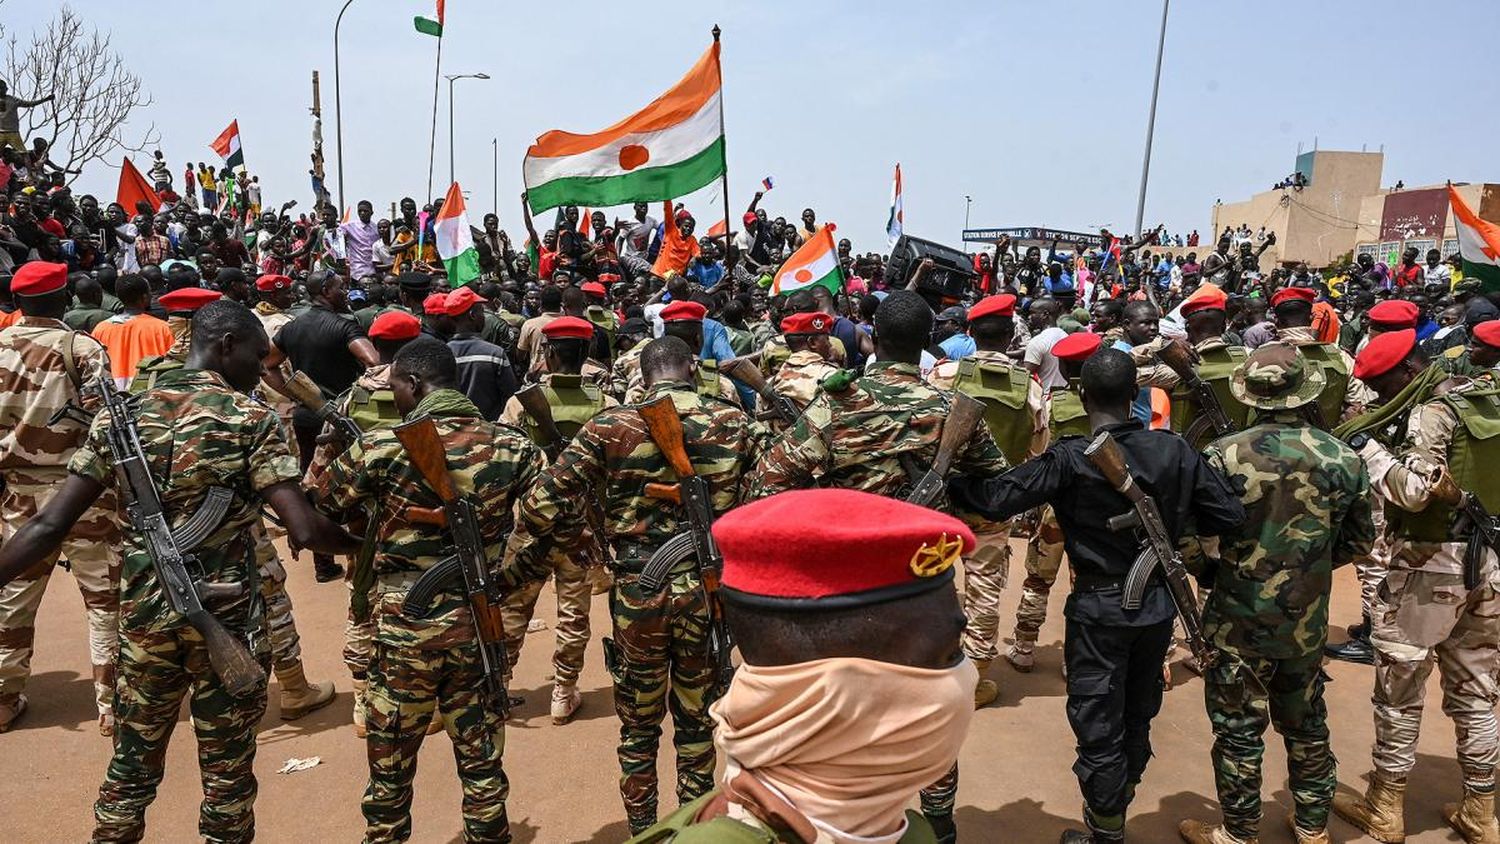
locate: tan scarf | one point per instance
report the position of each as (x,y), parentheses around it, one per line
(845,741)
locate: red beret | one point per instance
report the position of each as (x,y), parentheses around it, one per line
(37,278)
(1204,300)
(608,278)
(1394,313)
(188,299)
(270,281)
(749,217)
(835,548)
(568,328)
(593,288)
(436,304)
(1488,333)
(813,322)
(1306,294)
(684,311)
(395,325)
(1383,352)
(460,301)
(1003,304)
(1077,346)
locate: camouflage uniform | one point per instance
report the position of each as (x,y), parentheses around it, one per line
(1307,499)
(658,658)
(34,384)
(630,387)
(200,433)
(569,565)
(797,381)
(431,663)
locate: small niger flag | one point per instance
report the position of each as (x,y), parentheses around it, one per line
(816,264)
(134,188)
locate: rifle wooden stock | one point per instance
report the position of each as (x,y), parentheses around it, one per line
(426,516)
(665,427)
(745,370)
(1109,459)
(237,669)
(665,492)
(302,390)
(1179,360)
(964,415)
(425,449)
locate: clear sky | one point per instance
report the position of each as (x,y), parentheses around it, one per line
(1036,110)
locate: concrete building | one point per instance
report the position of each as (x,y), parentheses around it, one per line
(1393,220)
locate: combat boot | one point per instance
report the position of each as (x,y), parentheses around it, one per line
(11,710)
(1305,837)
(565,702)
(1095,833)
(1357,649)
(1474,818)
(299,697)
(1379,812)
(361,728)
(1021,657)
(1198,832)
(325,569)
(987,691)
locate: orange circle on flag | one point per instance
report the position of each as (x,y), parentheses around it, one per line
(803,275)
(633,156)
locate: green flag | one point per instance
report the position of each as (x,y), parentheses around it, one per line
(428,26)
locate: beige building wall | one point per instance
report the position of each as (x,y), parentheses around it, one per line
(1318,223)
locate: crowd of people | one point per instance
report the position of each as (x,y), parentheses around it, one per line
(1343,415)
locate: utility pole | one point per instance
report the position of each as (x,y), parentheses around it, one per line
(1161,44)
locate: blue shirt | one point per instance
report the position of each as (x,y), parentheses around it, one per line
(1141,407)
(1063,284)
(716,348)
(958,347)
(706,273)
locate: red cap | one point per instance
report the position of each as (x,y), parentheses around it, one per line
(568,328)
(1003,304)
(460,301)
(1204,300)
(188,299)
(593,288)
(1383,352)
(1394,314)
(1488,333)
(608,278)
(1077,346)
(749,217)
(436,304)
(37,278)
(683,311)
(814,322)
(832,548)
(395,325)
(1306,294)
(271,281)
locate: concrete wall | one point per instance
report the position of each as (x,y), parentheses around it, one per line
(1317,223)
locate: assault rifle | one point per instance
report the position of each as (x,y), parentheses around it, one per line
(1179,359)
(1473,518)
(171,550)
(302,390)
(742,369)
(964,415)
(424,447)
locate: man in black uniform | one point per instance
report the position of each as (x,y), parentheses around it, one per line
(1113,655)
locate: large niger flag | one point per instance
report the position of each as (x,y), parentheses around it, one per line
(668,149)
(1478,244)
(816,264)
(454,240)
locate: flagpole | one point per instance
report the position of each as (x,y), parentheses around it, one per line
(723,144)
(437,70)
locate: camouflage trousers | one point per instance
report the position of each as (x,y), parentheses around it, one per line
(92,551)
(406,686)
(281,629)
(1239,711)
(1422,615)
(985,573)
(156,670)
(574,594)
(941,797)
(659,661)
(359,645)
(1044,554)
(1371,569)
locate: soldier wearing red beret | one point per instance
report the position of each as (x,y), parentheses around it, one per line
(1484,347)
(683,319)
(1205,319)
(809,342)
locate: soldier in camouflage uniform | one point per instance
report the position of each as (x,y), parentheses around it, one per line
(197,427)
(1307,501)
(1427,612)
(797,379)
(683,320)
(876,434)
(44,366)
(1017,420)
(658,657)
(573,402)
(428,664)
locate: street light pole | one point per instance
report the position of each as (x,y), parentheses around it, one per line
(1161,44)
(338,111)
(451,79)
(495,146)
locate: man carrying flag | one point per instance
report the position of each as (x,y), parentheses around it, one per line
(227,145)
(454,239)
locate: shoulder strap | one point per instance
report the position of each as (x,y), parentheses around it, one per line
(70,363)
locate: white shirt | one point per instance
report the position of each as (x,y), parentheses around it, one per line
(1039,354)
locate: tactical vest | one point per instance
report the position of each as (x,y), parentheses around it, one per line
(1068,417)
(707,379)
(373,410)
(1216,367)
(774,355)
(1328,358)
(148,370)
(1003,389)
(605,319)
(573,403)
(1472,457)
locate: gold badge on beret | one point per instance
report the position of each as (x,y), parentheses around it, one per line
(935,558)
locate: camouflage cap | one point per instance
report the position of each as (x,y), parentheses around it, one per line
(1276,377)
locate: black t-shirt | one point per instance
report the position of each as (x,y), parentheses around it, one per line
(317,343)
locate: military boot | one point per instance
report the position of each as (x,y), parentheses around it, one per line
(1474,818)
(299,697)
(325,569)
(943,828)
(987,691)
(565,702)
(361,728)
(12,707)
(1379,812)
(1357,649)
(1198,832)
(1111,831)
(1305,837)
(1020,656)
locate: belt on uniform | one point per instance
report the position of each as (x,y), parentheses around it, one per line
(1097,582)
(398,582)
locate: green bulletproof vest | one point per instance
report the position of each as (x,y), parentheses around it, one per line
(148,370)
(1472,457)
(707,379)
(573,403)
(682,825)
(1216,367)
(1328,358)
(1003,390)
(1068,418)
(775,354)
(373,410)
(605,319)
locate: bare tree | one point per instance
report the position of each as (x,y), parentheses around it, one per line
(94,93)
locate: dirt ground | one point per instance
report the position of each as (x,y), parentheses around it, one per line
(1017,783)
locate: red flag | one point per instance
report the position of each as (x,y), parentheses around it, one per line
(133,188)
(717,229)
